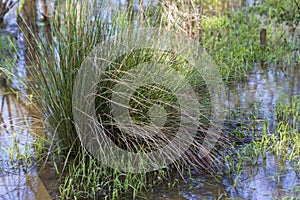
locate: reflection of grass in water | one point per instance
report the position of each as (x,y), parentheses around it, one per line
(20,147)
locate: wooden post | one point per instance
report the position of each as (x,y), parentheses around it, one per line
(263,44)
(263,39)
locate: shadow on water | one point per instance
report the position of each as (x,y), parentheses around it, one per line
(270,178)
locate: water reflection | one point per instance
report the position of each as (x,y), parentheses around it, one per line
(22,187)
(20,126)
(20,123)
(265,88)
(270,178)
(275,180)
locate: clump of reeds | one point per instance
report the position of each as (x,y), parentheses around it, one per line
(54,64)
(76,30)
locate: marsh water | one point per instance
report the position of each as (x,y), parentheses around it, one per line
(20,123)
(269,178)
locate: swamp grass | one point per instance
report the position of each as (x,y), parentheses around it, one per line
(76,33)
(233,38)
(51,87)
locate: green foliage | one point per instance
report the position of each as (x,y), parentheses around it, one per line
(76,30)
(232,40)
(280,11)
(87,177)
(75,35)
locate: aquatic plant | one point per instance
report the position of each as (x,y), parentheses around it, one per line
(53,77)
(233,38)
(76,30)
(284,142)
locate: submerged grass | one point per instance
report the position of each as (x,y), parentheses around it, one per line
(284,142)
(20,135)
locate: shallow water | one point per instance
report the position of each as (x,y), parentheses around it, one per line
(18,128)
(23,187)
(20,125)
(268,179)
(268,182)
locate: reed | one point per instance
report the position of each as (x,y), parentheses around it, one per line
(76,29)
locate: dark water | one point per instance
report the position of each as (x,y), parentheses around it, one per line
(268,179)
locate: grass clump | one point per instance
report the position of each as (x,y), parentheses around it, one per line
(55,64)
(77,27)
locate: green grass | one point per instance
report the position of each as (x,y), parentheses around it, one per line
(233,41)
(233,38)
(53,76)
(7,59)
(76,32)
(284,142)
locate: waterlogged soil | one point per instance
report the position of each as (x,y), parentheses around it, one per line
(268,178)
